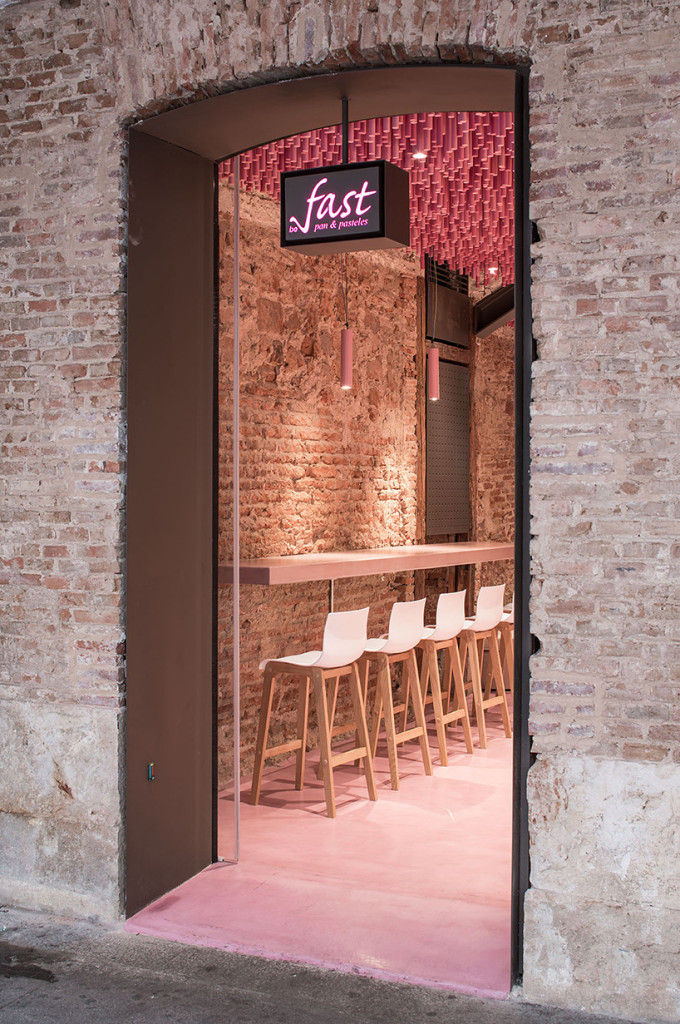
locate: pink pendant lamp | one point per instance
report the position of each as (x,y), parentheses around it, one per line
(346,359)
(433,374)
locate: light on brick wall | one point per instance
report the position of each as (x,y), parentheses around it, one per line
(433,373)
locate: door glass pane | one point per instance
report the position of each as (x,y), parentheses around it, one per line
(227,619)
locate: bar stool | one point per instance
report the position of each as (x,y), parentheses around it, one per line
(398,647)
(344,640)
(443,637)
(506,629)
(484,627)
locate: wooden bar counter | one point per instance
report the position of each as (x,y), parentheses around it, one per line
(337,565)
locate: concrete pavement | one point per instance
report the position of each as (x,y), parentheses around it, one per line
(56,971)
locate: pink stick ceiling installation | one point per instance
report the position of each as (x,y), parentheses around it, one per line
(461,193)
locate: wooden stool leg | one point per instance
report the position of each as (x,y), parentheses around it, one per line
(465,665)
(324,739)
(511,659)
(405,693)
(361,667)
(302,718)
(487,669)
(332,701)
(425,671)
(478,700)
(430,655)
(376,714)
(262,733)
(507,649)
(362,730)
(384,699)
(448,678)
(497,673)
(460,697)
(411,667)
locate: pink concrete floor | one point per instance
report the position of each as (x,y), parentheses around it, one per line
(414,887)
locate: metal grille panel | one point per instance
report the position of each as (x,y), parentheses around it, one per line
(448,453)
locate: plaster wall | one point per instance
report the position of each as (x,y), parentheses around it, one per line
(605,410)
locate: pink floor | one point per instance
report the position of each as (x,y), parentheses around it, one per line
(414,887)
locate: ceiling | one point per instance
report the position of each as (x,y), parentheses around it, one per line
(461,195)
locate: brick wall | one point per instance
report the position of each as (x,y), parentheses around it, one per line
(602,913)
(321,469)
(62,454)
(324,470)
(604,507)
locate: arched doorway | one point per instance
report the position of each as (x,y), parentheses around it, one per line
(171,570)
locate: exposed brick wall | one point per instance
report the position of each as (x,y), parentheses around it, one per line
(604,499)
(321,469)
(604,505)
(62,453)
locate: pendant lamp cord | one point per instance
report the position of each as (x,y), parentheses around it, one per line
(344,282)
(436,297)
(432,296)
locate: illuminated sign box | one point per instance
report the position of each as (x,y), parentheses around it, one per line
(342,209)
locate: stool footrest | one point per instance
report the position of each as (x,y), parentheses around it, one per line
(348,755)
(340,730)
(409,734)
(429,699)
(283,748)
(453,716)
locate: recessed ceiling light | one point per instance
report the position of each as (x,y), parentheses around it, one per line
(420,156)
(493,270)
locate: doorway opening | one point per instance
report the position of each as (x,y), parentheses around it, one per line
(287,393)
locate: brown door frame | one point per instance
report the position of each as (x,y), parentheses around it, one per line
(172,492)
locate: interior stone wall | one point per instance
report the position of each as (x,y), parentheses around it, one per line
(325,470)
(321,469)
(604,476)
(492,450)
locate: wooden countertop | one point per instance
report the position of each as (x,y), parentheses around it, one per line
(336,565)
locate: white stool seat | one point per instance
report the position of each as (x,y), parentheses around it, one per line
(443,637)
(489,610)
(344,640)
(479,631)
(404,633)
(405,629)
(450,617)
(509,616)
(308,660)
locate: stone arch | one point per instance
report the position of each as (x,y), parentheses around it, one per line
(187,141)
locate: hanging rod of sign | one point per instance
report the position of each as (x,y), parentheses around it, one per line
(347,207)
